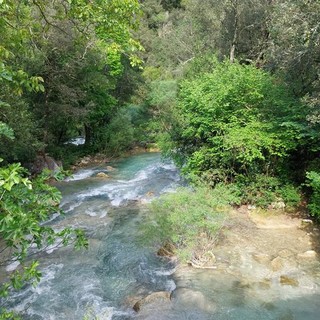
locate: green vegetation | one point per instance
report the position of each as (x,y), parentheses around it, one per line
(233,90)
(313,181)
(24,206)
(236,120)
(245,112)
(60,67)
(229,89)
(188,217)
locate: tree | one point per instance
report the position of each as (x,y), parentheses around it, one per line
(228,28)
(46,51)
(68,43)
(235,120)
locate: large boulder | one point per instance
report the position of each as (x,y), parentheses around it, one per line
(194,299)
(155,297)
(42,162)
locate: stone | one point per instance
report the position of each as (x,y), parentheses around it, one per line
(277,264)
(287,281)
(269,306)
(42,162)
(278,205)
(109,168)
(262,258)
(265,284)
(167,250)
(310,254)
(285,253)
(243,209)
(102,175)
(160,296)
(194,299)
(305,222)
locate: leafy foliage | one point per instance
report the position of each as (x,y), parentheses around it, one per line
(182,218)
(263,191)
(237,120)
(24,208)
(313,181)
(60,64)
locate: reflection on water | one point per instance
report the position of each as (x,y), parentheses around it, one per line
(116,271)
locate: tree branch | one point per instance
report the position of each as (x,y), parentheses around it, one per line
(46,19)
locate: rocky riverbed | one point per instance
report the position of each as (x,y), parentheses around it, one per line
(262,265)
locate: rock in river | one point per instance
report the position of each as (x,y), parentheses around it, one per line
(160,296)
(102,175)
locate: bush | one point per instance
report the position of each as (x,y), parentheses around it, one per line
(313,181)
(263,190)
(118,135)
(237,118)
(290,195)
(187,216)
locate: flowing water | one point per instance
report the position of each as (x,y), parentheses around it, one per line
(117,270)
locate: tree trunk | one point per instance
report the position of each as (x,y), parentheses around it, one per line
(235,32)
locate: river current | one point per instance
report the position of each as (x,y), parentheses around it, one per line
(104,281)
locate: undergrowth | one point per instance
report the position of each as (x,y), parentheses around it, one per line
(188,216)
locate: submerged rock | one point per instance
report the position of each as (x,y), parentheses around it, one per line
(265,284)
(277,264)
(193,299)
(287,281)
(102,175)
(262,258)
(161,296)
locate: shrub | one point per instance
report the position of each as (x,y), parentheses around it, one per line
(236,118)
(313,181)
(184,217)
(290,195)
(262,190)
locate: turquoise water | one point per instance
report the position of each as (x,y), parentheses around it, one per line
(117,270)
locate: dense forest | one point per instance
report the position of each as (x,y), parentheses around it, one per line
(229,89)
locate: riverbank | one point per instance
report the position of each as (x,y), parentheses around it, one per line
(99,158)
(263,261)
(270,239)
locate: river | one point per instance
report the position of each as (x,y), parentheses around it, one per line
(105,281)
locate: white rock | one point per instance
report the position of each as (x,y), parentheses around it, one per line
(310,254)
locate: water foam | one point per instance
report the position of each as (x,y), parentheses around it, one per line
(82,174)
(121,191)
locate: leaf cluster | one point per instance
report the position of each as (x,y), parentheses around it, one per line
(236,119)
(24,207)
(184,217)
